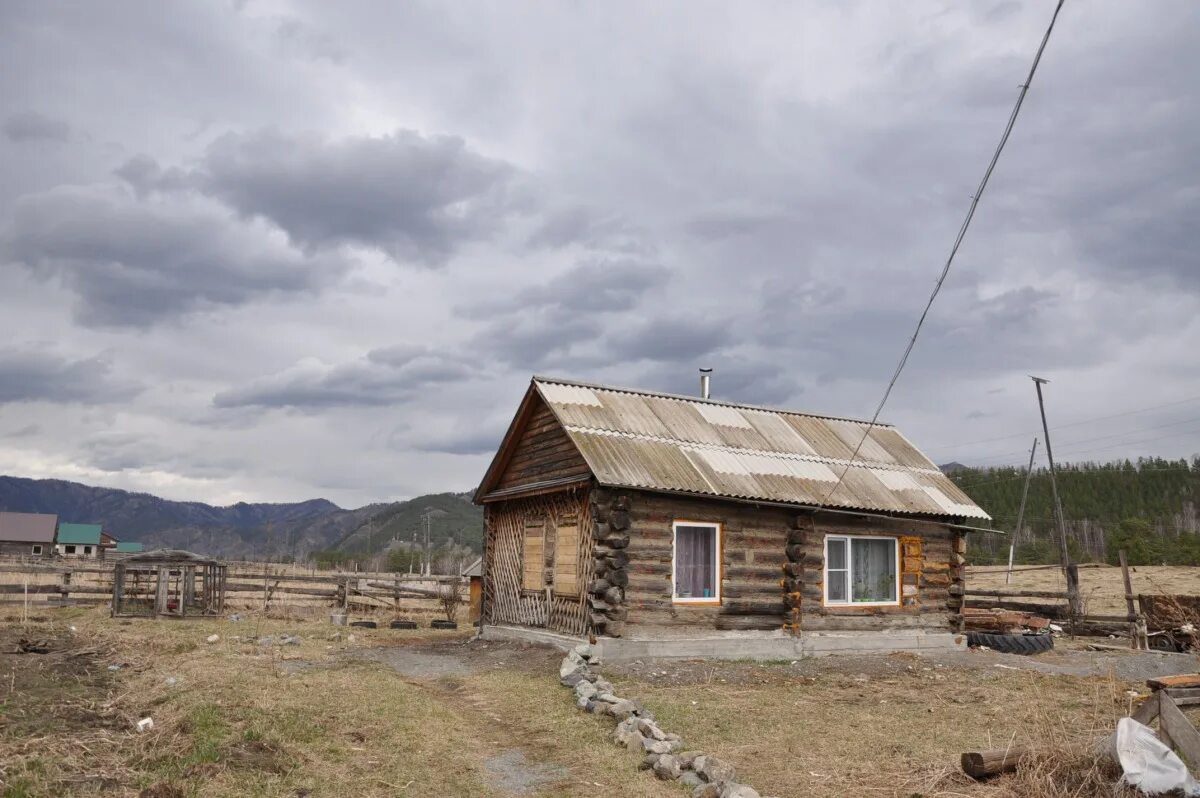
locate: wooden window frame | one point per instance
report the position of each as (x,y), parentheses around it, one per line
(718,564)
(560,523)
(526,525)
(849,602)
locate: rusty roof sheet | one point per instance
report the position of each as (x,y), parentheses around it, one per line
(27,527)
(675,443)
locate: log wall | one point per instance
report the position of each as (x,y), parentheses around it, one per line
(772,568)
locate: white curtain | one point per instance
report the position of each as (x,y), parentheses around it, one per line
(873,570)
(695,554)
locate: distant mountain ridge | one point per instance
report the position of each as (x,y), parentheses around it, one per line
(242,530)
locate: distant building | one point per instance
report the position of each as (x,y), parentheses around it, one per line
(27,534)
(79,540)
(129,547)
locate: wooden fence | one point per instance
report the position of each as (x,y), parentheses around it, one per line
(40,585)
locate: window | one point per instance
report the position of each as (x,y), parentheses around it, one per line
(533,564)
(566,557)
(87,549)
(696,556)
(70,549)
(37,549)
(861,570)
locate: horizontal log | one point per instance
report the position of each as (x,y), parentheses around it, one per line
(748,622)
(737,607)
(983,764)
(1056,594)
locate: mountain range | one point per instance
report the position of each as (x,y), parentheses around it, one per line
(248,530)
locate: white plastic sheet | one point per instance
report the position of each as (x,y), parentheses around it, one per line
(1148,764)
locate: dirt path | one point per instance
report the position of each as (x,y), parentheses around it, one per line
(444,673)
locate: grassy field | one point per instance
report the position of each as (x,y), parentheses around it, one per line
(1101,587)
(419,713)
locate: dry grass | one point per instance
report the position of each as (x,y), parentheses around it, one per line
(1103,587)
(842,734)
(316,719)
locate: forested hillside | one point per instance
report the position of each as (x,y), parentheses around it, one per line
(1147,507)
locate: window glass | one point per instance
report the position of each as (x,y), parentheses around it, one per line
(873,569)
(70,549)
(87,549)
(860,570)
(696,562)
(37,549)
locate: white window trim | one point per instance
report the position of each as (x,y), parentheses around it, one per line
(69,548)
(715,599)
(849,559)
(37,549)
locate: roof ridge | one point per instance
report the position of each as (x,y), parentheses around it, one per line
(538,378)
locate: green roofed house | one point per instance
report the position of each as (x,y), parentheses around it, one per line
(78,540)
(129,547)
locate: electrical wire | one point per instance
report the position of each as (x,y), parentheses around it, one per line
(962,232)
(1066,426)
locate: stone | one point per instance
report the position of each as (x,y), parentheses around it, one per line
(585,703)
(706,791)
(603,685)
(688,778)
(583,650)
(572,679)
(636,742)
(656,746)
(649,728)
(212,638)
(570,666)
(649,761)
(606,697)
(731,789)
(667,767)
(713,769)
(686,758)
(622,709)
(585,690)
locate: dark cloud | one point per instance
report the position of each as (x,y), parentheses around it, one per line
(412,196)
(386,376)
(33,126)
(34,374)
(674,338)
(133,263)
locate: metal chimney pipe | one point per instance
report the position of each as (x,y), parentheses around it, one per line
(705,379)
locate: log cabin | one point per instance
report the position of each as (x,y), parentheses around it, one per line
(663,525)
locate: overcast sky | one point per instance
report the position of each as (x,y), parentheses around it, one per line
(269,251)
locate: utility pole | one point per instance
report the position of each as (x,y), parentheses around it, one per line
(428,554)
(370,536)
(412,553)
(1012,544)
(1069,569)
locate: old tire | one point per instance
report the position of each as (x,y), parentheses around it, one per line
(403,624)
(365,624)
(1011,644)
(443,625)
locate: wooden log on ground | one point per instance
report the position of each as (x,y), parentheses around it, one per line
(984,764)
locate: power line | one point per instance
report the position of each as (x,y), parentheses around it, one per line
(1067,426)
(1071,444)
(962,232)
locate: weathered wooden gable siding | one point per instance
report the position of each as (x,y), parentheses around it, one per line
(506,601)
(542,452)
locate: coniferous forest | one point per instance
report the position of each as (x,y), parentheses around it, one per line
(1147,507)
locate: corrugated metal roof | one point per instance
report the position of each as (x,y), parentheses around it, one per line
(79,534)
(129,546)
(27,527)
(662,442)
